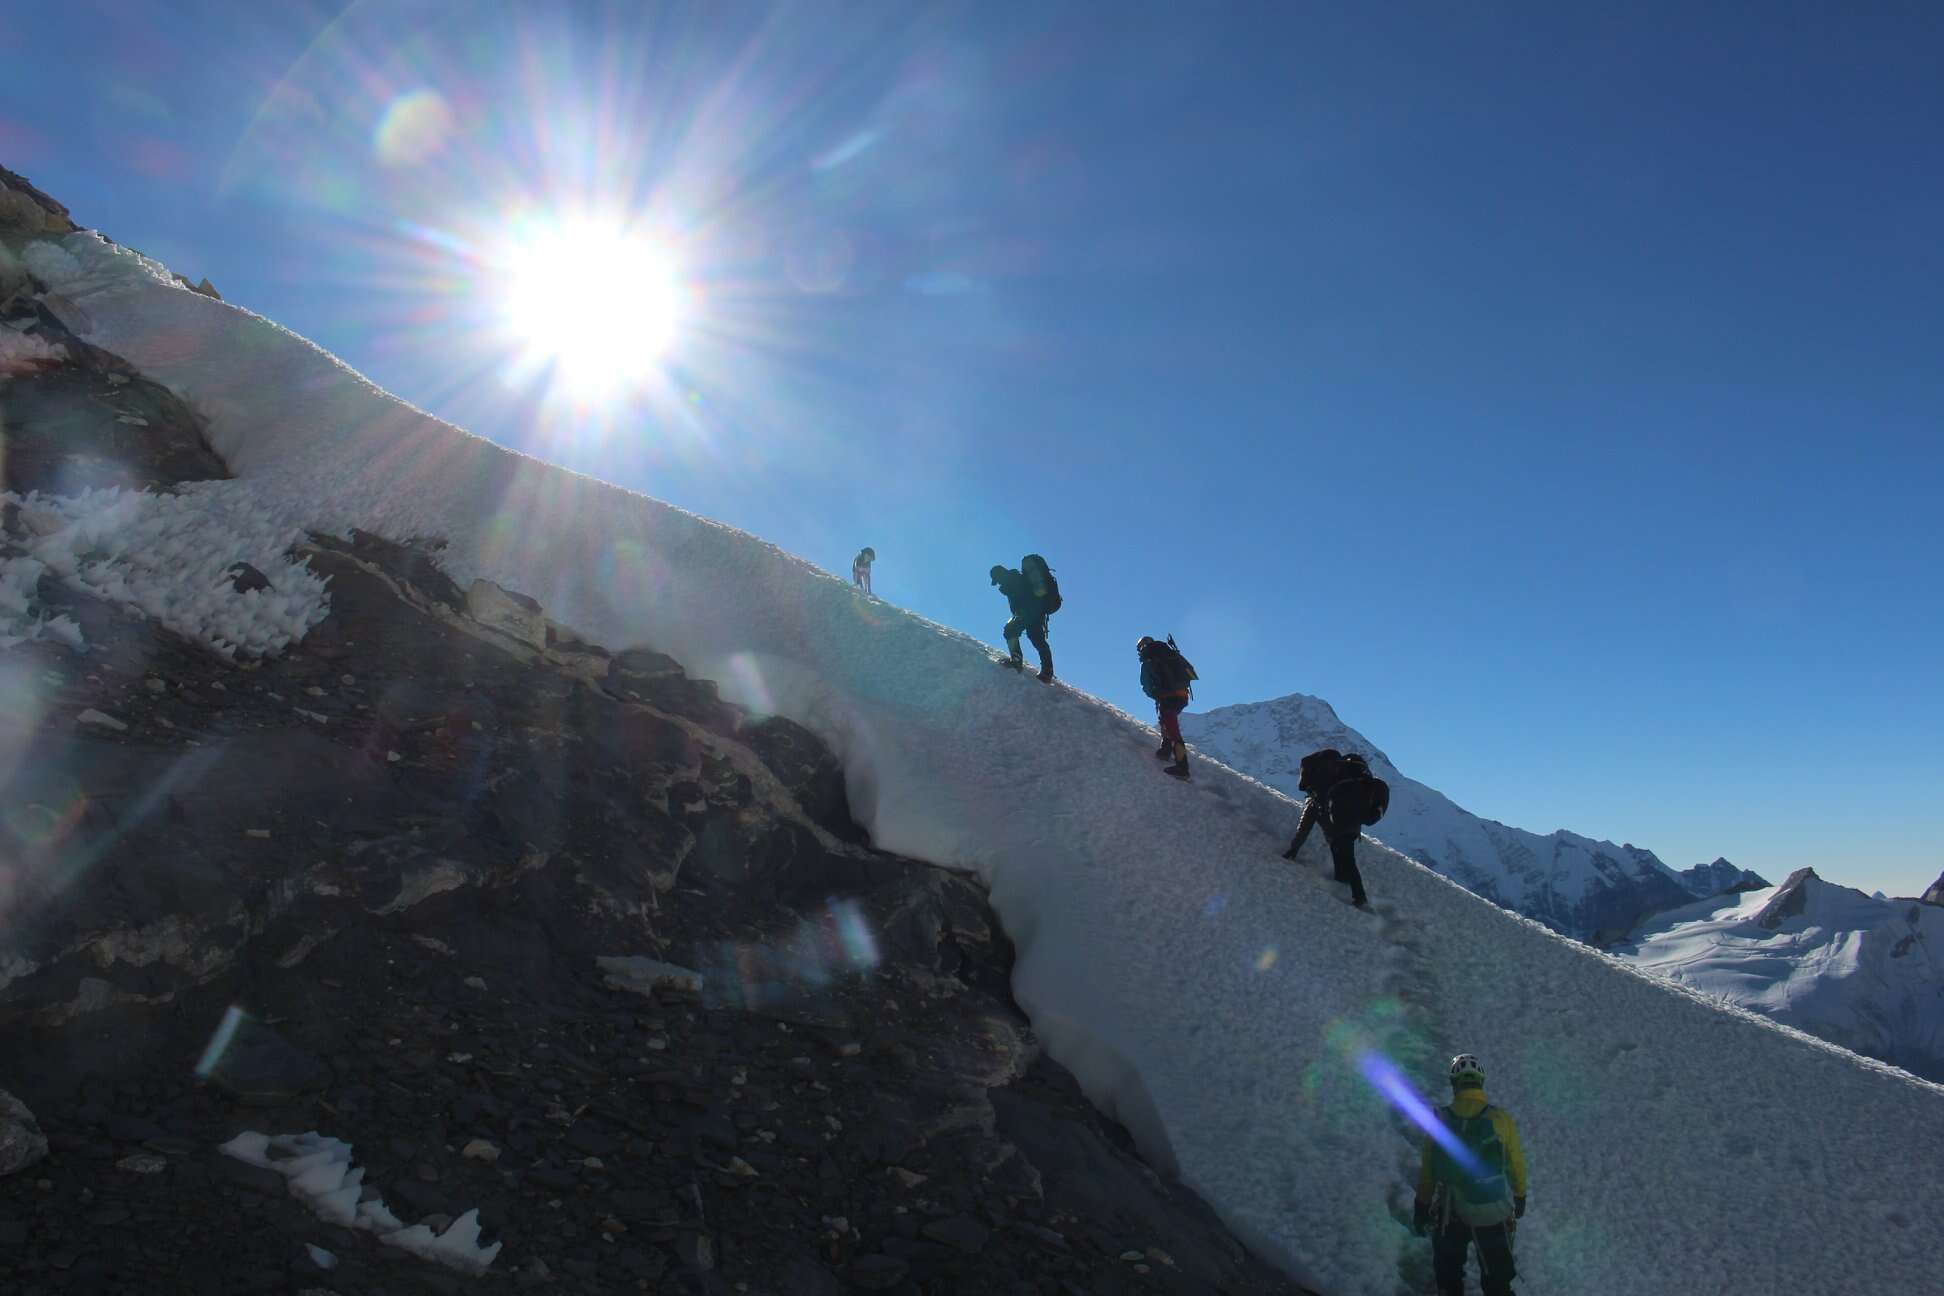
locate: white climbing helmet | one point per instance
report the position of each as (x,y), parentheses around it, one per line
(1465,1070)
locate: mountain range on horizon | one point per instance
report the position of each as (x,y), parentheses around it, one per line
(1591,890)
(1862,971)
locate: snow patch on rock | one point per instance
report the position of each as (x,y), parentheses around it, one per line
(167,556)
(319,1173)
(21,617)
(21,352)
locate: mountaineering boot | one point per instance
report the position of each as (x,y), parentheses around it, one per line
(1180,768)
(1046,666)
(1165,750)
(1046,677)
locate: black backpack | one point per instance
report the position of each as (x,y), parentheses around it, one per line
(1356,796)
(1318,768)
(1177,672)
(1051,603)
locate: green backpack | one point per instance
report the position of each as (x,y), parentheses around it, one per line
(1482,1194)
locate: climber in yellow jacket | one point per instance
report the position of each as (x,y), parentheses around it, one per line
(1474,1190)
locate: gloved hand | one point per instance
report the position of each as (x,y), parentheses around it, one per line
(1518,1208)
(1420,1217)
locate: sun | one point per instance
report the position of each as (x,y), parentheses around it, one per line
(598,304)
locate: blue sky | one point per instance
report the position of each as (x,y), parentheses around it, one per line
(1558,393)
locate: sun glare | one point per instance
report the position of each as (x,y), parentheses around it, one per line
(599,304)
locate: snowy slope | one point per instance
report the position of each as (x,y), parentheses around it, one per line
(1850,968)
(1215,999)
(1570,883)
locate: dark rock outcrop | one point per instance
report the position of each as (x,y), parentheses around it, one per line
(361,889)
(1720,878)
(21,1140)
(90,420)
(540,930)
(1790,900)
(26,212)
(1934,894)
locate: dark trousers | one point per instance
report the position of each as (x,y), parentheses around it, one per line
(1449,1248)
(1343,856)
(1034,629)
(1169,710)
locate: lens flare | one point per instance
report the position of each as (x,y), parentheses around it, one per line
(219,1041)
(413,128)
(752,688)
(1387,1080)
(837,942)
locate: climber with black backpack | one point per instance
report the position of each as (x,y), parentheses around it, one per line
(1168,678)
(1345,798)
(1032,595)
(1471,1186)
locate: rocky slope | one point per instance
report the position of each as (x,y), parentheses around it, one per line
(540,930)
(1584,888)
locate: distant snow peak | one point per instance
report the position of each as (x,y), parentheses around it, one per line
(1856,970)
(1716,878)
(1588,889)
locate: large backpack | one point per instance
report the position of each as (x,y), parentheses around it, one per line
(1480,1192)
(1177,672)
(1317,770)
(1356,796)
(1051,603)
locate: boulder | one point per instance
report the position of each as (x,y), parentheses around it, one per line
(21,1140)
(508,612)
(26,211)
(14,278)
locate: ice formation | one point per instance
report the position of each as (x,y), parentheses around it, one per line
(320,1174)
(168,555)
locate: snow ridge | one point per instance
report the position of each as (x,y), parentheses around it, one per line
(1219,1001)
